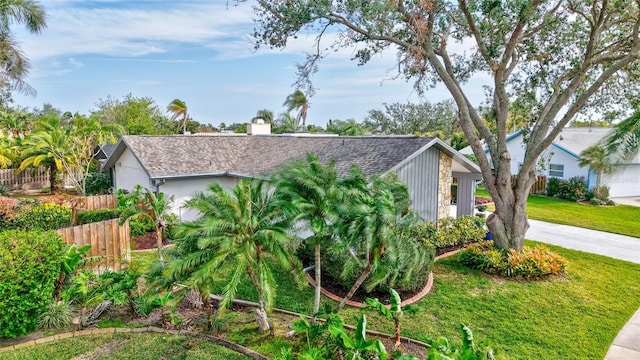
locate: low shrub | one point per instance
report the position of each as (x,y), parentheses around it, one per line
(57,315)
(30,265)
(98,183)
(140,226)
(600,193)
(452,232)
(44,217)
(531,263)
(91,216)
(574,189)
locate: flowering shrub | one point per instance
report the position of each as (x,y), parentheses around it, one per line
(7,205)
(44,217)
(531,263)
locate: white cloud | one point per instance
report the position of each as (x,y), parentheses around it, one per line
(126,30)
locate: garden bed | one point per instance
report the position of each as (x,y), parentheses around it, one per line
(146,241)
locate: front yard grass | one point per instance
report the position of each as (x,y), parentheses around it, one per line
(125,346)
(573,317)
(619,219)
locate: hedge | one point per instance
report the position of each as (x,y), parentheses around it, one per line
(30,264)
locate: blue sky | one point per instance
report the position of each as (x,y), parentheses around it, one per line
(197,51)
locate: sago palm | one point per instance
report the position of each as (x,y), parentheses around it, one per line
(308,190)
(245,230)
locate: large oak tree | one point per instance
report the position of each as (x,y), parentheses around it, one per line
(554,59)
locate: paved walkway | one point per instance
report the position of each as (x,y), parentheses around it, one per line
(626,346)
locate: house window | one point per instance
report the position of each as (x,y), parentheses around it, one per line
(556,170)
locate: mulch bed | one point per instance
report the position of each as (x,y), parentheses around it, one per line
(330,284)
(145,241)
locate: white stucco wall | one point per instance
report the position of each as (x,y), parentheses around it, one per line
(128,172)
(552,155)
(571,167)
(184,189)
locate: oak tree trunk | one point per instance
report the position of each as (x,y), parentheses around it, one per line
(509,223)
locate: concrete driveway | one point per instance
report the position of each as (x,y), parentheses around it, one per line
(632,200)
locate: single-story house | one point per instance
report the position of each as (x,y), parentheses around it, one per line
(561,160)
(180,165)
(102,151)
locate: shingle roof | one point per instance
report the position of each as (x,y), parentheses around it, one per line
(577,140)
(176,156)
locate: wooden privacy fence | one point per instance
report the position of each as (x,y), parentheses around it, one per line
(538,187)
(107,239)
(97,202)
(30,179)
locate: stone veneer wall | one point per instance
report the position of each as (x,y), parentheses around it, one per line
(445,179)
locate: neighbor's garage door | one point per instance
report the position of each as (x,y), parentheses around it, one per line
(626,183)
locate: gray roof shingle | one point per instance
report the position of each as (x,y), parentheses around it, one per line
(176,156)
(577,140)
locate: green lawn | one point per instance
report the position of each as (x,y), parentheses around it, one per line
(574,317)
(620,219)
(123,347)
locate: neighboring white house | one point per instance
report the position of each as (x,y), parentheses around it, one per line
(562,157)
(181,165)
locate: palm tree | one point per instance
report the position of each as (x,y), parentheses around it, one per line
(178,109)
(16,123)
(284,123)
(298,101)
(6,153)
(245,230)
(154,207)
(52,145)
(366,223)
(596,158)
(14,66)
(308,190)
(623,143)
(264,114)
